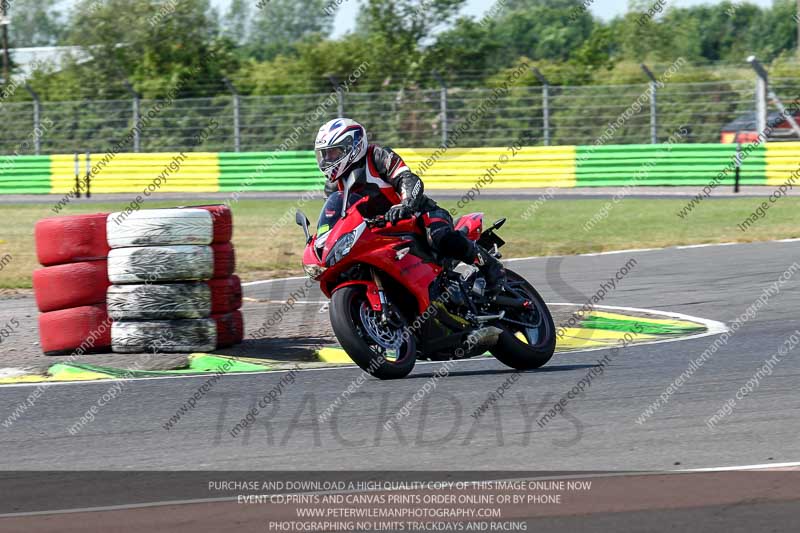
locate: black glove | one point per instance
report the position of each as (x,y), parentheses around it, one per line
(398,212)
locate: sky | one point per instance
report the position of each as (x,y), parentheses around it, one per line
(604,9)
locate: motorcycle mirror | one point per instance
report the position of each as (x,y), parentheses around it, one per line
(302,220)
(498,223)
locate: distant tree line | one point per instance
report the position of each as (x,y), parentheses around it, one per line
(285,46)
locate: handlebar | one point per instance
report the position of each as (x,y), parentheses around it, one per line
(381,222)
(377,222)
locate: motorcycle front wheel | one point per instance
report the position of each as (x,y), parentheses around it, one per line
(522,347)
(382,350)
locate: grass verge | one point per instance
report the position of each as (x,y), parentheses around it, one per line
(557,227)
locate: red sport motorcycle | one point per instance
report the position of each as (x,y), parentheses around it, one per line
(394,300)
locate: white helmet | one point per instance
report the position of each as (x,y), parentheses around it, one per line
(340,144)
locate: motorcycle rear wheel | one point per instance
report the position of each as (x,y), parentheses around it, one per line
(526,348)
(379,350)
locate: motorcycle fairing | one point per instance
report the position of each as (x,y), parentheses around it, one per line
(471,225)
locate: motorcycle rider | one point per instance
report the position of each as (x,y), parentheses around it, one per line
(343,154)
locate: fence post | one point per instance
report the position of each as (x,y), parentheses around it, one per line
(237,130)
(88,175)
(762,86)
(339,94)
(37,119)
(442,105)
(738,164)
(137,141)
(77,176)
(545,104)
(653,104)
(5,21)
(762,74)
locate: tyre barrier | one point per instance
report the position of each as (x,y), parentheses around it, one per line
(155,279)
(155,264)
(223,222)
(230,328)
(226,294)
(70,289)
(159,301)
(171,269)
(71,239)
(165,336)
(224,260)
(70,285)
(78,330)
(160,227)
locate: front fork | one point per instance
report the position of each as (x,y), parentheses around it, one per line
(381,294)
(389,315)
(376,296)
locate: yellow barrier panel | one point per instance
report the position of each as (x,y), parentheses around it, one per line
(456,168)
(141,173)
(783,160)
(493,168)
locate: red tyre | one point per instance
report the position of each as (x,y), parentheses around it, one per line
(71,239)
(70,285)
(78,330)
(224,260)
(223,222)
(226,294)
(230,328)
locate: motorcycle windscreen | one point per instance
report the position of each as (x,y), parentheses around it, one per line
(332,212)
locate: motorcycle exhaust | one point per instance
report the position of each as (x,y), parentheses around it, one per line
(484,337)
(480,338)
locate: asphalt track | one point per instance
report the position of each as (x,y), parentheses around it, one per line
(494,193)
(597,432)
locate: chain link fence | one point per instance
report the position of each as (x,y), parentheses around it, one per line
(550,115)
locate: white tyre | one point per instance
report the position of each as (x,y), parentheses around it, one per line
(159,302)
(152,264)
(164,336)
(159,227)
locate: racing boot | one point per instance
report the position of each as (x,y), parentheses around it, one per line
(492,270)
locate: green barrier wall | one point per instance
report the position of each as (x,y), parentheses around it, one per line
(25,174)
(661,164)
(457,169)
(269,171)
